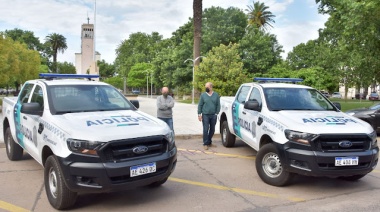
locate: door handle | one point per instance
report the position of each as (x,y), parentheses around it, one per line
(40,128)
(244,112)
(259,121)
(24,117)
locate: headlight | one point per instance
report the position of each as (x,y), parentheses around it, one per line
(170,137)
(299,137)
(84,147)
(351,113)
(373,137)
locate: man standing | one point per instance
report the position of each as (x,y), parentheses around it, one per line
(165,103)
(208,109)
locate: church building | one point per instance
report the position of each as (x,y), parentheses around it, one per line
(85,62)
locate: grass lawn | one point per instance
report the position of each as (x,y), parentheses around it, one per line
(349,104)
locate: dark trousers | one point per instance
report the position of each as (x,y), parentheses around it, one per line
(209,122)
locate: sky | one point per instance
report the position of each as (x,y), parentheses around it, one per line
(296,21)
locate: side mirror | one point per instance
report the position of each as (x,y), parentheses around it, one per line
(32,108)
(252,105)
(135,103)
(337,104)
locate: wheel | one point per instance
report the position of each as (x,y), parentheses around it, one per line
(158,183)
(353,177)
(14,151)
(59,195)
(228,139)
(269,166)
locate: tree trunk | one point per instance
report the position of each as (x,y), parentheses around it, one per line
(197,16)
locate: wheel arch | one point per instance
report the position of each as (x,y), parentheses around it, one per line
(265,139)
(46,152)
(5,126)
(223,117)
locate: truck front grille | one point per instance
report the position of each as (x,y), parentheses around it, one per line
(122,150)
(331,143)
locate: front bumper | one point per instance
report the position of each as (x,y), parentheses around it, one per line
(98,177)
(322,164)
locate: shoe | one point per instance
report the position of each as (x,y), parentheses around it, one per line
(205,147)
(212,145)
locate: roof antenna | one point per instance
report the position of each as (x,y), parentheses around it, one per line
(88,19)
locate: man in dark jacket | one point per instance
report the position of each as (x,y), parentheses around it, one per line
(208,109)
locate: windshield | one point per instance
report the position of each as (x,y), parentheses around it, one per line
(296,99)
(85,98)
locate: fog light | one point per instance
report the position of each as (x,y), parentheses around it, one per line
(300,165)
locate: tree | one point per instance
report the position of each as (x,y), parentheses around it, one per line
(259,50)
(259,16)
(138,73)
(24,36)
(17,62)
(57,43)
(106,70)
(138,48)
(115,81)
(353,31)
(197,18)
(223,67)
(65,68)
(222,26)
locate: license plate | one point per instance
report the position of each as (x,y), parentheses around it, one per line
(143,169)
(346,161)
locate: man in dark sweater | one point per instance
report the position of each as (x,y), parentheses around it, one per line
(165,103)
(208,109)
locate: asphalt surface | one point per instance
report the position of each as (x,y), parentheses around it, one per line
(185,119)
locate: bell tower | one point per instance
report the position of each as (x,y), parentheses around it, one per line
(85,62)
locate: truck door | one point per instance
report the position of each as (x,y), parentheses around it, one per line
(33,129)
(251,123)
(238,116)
(19,119)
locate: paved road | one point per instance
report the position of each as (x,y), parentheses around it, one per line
(221,179)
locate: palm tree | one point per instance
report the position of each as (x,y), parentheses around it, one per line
(258,16)
(197,16)
(57,44)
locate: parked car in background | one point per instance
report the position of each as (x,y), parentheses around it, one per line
(336,95)
(325,93)
(373,96)
(370,115)
(135,91)
(360,96)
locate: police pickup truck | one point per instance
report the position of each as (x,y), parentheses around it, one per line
(297,130)
(88,137)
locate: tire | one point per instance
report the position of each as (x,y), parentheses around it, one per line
(269,166)
(228,139)
(158,183)
(14,151)
(59,195)
(353,177)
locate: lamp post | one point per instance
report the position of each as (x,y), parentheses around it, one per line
(147,85)
(151,84)
(149,71)
(192,97)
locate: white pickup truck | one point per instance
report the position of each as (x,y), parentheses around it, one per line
(88,137)
(296,129)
